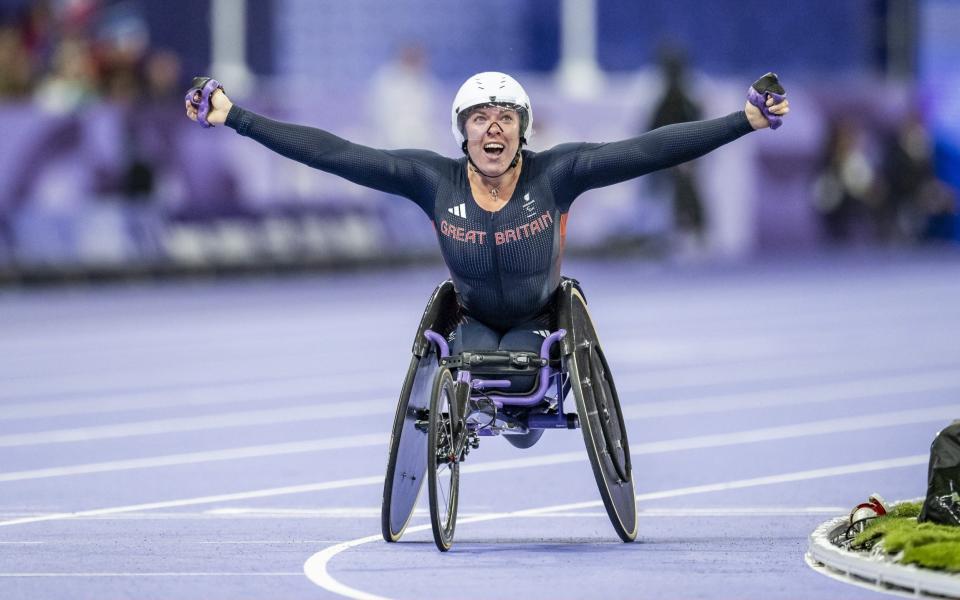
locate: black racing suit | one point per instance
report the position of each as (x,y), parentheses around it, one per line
(505,265)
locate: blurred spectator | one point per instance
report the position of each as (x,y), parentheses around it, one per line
(15,64)
(163,77)
(402,96)
(680,182)
(72,81)
(846,190)
(917,205)
(82,52)
(123,41)
(41,28)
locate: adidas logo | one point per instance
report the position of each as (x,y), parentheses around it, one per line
(460,210)
(542,333)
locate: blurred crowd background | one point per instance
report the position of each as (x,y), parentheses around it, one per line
(102,175)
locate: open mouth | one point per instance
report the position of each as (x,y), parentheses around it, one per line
(493,149)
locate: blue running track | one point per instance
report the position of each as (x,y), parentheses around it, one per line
(227,440)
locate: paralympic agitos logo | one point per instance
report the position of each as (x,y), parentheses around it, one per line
(506,236)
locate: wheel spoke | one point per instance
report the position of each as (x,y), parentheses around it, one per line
(443,468)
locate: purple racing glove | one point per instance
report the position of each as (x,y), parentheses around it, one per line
(767,86)
(201,88)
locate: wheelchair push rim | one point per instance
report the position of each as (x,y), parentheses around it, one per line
(601,420)
(407,458)
(443,460)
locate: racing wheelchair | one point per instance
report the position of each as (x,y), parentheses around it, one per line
(448,403)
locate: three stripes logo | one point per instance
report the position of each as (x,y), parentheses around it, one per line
(460,210)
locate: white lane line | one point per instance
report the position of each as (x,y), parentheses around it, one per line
(21,543)
(826,426)
(249,418)
(342,512)
(316,567)
(189,458)
(682,349)
(170,574)
(291,388)
(846,424)
(696,442)
(199,369)
(775,368)
(263,493)
(264,542)
(109,370)
(373,512)
(868,387)
(741,511)
(201,338)
(207,394)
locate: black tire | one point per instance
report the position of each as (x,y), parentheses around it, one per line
(407,460)
(443,460)
(601,421)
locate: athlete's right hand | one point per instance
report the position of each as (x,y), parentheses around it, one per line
(220,105)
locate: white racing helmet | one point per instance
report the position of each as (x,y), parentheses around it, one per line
(491,88)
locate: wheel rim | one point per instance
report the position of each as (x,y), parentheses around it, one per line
(602,424)
(445,462)
(611,421)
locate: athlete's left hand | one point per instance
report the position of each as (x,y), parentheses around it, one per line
(756,118)
(766,102)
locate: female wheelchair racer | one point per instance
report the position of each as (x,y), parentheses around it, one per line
(502,343)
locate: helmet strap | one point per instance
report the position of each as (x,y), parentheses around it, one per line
(513,163)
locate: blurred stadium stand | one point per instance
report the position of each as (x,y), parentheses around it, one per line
(101,175)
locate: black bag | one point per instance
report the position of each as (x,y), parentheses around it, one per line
(942,504)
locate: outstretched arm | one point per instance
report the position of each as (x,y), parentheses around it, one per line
(410,173)
(597,165)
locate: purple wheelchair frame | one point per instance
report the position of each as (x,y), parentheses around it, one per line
(547,375)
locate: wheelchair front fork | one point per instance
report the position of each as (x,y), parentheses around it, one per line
(465,438)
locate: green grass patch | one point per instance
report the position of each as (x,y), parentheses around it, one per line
(936,555)
(926,545)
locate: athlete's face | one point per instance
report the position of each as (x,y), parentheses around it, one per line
(493,137)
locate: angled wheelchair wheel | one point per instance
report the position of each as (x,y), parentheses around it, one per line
(443,460)
(601,421)
(407,462)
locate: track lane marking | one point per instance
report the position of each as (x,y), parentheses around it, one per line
(208,394)
(697,442)
(891,419)
(778,396)
(170,574)
(213,499)
(205,423)
(316,567)
(189,458)
(871,387)
(298,387)
(373,512)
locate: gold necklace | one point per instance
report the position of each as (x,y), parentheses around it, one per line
(494,191)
